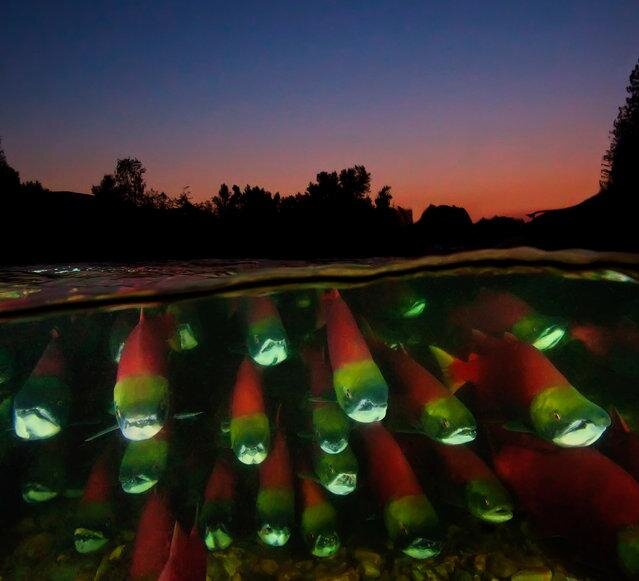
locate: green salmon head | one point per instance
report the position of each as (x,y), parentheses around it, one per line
(41,408)
(564,416)
(276,513)
(185,338)
(413,308)
(142,465)
(488,501)
(412,525)
(628,550)
(319,526)
(337,472)
(141,405)
(361,391)
(267,343)
(543,333)
(448,421)
(217,537)
(216,525)
(250,438)
(330,427)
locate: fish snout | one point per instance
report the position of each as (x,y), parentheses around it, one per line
(35,423)
(498,514)
(274,536)
(579,433)
(326,544)
(88,540)
(422,548)
(343,483)
(333,445)
(217,537)
(458,436)
(251,452)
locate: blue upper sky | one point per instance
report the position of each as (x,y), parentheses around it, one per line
(446,101)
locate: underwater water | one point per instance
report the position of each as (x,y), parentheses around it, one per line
(471,417)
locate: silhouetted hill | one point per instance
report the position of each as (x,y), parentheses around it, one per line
(603,221)
(444,226)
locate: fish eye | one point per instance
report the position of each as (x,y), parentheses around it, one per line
(347,393)
(445,423)
(485,502)
(556,415)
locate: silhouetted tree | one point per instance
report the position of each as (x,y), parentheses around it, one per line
(129,177)
(620,168)
(9,177)
(383,198)
(222,202)
(125,185)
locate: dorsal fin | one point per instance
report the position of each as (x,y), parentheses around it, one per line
(618,422)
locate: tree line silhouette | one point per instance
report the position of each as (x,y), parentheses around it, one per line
(336,216)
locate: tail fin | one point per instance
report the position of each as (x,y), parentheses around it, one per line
(455,371)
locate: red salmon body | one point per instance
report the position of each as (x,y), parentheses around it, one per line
(576,493)
(144,352)
(259,309)
(416,384)
(99,485)
(345,341)
(275,471)
(52,360)
(221,483)
(461,464)
(312,493)
(187,557)
(152,540)
(247,395)
(389,472)
(493,312)
(506,371)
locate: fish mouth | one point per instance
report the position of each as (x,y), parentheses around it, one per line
(217,538)
(88,541)
(334,446)
(498,514)
(271,352)
(140,427)
(367,411)
(579,433)
(35,423)
(274,536)
(459,436)
(251,453)
(138,483)
(343,484)
(326,544)
(422,548)
(33,492)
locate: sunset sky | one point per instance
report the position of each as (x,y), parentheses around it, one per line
(502,107)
